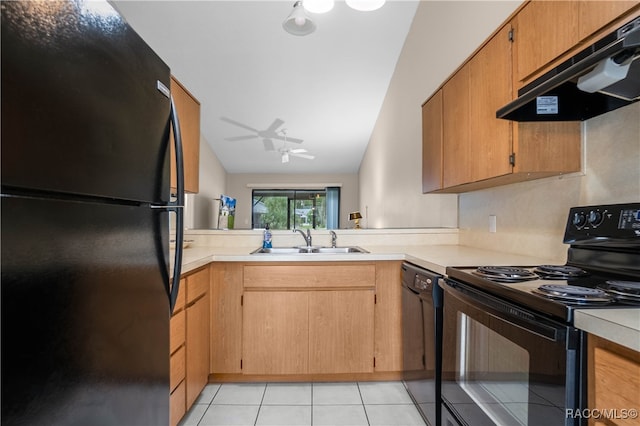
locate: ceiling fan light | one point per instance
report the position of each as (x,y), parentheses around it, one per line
(318,6)
(298,23)
(285,157)
(365,5)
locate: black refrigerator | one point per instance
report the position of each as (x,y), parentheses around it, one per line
(86,278)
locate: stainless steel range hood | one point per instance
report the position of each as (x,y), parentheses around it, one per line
(603,77)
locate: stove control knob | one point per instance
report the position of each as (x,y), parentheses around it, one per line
(595,217)
(579,219)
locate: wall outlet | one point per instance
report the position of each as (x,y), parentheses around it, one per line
(492,223)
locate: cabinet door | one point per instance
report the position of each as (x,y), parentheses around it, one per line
(189,115)
(543,31)
(432,143)
(490,89)
(456,153)
(275,332)
(388,317)
(197,355)
(341,331)
(226,317)
(596,14)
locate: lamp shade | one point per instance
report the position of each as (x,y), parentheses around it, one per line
(355,215)
(298,23)
(365,5)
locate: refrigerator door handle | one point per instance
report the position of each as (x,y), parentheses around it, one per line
(177,205)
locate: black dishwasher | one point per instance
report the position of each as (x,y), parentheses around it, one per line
(422,339)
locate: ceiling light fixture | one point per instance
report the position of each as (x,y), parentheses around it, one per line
(365,5)
(318,6)
(298,23)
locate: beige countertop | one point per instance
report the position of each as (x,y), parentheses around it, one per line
(432,257)
(619,325)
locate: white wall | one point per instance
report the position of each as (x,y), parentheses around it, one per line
(213,181)
(442,36)
(238,186)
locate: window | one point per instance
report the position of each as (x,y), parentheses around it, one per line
(296,208)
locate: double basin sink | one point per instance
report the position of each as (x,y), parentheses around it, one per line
(309,250)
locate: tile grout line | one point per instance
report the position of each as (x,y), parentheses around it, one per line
(260,406)
(366,415)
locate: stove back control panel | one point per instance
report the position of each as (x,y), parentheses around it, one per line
(598,225)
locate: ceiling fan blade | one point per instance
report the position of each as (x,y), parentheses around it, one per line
(268,144)
(295,140)
(307,156)
(274,126)
(236,123)
(240,138)
(297,151)
(287,139)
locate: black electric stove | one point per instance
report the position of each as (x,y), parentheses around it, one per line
(602,269)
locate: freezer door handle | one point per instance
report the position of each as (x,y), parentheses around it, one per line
(177,205)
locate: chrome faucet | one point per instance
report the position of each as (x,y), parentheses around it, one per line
(334,239)
(307,237)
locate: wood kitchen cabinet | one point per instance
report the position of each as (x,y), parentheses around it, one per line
(275,333)
(306,320)
(388,317)
(197,334)
(481,151)
(465,147)
(455,127)
(177,364)
(226,317)
(545,30)
(613,381)
(189,343)
(188,109)
(315,318)
(432,143)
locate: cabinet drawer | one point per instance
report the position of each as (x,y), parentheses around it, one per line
(176,331)
(310,276)
(197,284)
(177,407)
(181,298)
(177,368)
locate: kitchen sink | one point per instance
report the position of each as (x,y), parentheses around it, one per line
(309,250)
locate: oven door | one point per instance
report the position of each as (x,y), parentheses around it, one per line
(504,365)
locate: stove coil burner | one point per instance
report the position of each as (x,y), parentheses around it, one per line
(623,291)
(574,294)
(559,272)
(505,274)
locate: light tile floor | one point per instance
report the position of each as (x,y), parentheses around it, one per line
(332,404)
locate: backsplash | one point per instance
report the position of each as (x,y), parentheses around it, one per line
(531,216)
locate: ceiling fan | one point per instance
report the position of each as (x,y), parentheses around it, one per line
(285,152)
(267,134)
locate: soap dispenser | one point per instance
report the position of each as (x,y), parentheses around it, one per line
(266,240)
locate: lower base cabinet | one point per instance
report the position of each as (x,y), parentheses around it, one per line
(189,343)
(614,383)
(308,332)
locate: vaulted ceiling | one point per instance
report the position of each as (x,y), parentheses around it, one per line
(248,73)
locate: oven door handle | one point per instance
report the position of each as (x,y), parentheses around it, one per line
(507,312)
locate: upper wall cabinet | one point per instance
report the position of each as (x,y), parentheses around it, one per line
(188,109)
(465,147)
(545,30)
